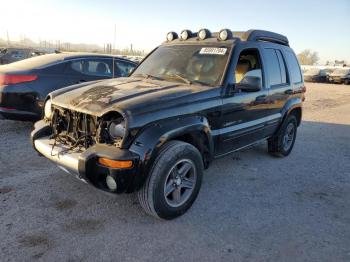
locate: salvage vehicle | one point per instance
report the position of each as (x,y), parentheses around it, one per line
(340,76)
(24,85)
(196,97)
(317,75)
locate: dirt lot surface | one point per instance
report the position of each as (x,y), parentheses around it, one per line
(252,207)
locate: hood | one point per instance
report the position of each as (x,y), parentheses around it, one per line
(123,94)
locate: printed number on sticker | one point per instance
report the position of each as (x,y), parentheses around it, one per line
(213,51)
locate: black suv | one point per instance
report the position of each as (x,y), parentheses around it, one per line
(196,97)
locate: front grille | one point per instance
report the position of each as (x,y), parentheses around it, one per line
(75,129)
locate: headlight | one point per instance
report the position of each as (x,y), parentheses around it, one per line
(116,129)
(48,109)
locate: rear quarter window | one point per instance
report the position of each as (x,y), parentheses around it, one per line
(293,66)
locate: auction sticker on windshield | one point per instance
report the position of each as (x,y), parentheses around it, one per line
(213,51)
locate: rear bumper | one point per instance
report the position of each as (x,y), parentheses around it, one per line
(23,105)
(337,80)
(84,164)
(14,114)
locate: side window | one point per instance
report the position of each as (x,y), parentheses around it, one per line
(294,68)
(95,67)
(284,79)
(273,68)
(249,64)
(123,69)
(17,54)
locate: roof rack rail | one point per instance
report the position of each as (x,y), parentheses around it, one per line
(262,35)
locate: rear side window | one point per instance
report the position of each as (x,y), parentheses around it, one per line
(276,73)
(294,68)
(96,67)
(282,67)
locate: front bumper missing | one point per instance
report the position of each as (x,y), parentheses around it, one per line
(85,164)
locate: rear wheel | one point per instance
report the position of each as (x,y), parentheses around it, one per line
(282,143)
(173,182)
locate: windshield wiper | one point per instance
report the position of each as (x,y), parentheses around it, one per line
(147,76)
(184,79)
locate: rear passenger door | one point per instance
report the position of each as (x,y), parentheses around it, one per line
(278,82)
(284,78)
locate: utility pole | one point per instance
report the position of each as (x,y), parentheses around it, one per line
(8,38)
(115,33)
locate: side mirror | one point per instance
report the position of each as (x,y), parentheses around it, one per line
(250,84)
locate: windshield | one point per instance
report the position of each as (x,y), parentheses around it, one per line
(341,71)
(189,64)
(314,71)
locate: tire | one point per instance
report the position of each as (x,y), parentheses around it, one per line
(166,192)
(282,143)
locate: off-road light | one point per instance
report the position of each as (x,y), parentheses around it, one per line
(185,34)
(111,183)
(171,36)
(48,109)
(224,34)
(203,34)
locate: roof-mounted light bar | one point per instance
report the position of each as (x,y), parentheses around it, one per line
(171,36)
(223,35)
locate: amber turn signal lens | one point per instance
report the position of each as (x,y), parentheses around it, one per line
(115,163)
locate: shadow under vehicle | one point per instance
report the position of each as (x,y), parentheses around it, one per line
(196,97)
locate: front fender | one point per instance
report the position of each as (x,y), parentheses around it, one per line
(150,140)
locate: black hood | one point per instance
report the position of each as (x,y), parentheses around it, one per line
(123,94)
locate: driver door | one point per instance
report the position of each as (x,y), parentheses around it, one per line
(244,111)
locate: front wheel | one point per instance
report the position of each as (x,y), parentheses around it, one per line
(174,181)
(282,143)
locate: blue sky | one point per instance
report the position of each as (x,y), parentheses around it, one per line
(322,26)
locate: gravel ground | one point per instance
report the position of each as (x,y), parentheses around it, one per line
(252,207)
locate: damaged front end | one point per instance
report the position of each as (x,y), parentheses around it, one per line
(88,146)
(79,131)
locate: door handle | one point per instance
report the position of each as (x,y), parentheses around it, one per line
(289,92)
(81,81)
(262,97)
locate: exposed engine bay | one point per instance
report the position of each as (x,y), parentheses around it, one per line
(79,131)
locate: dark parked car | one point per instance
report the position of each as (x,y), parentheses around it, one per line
(340,76)
(13,54)
(317,75)
(190,101)
(25,84)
